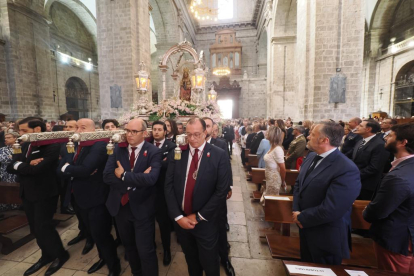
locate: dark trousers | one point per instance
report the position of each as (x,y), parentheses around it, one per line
(164,221)
(230,146)
(200,246)
(63,186)
(138,237)
(82,222)
(40,217)
(98,222)
(223,251)
(243,157)
(316,255)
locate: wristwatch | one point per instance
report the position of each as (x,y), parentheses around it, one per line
(198,219)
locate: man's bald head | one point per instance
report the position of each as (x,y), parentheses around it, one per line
(136,131)
(85,125)
(137,124)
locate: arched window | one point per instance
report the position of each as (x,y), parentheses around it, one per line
(77,95)
(404,91)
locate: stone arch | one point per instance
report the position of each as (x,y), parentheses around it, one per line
(285,18)
(77,95)
(381,21)
(80,10)
(165,21)
(404,91)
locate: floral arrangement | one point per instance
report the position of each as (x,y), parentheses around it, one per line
(172,109)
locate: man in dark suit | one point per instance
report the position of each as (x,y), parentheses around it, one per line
(370,157)
(85,171)
(228,135)
(35,168)
(351,138)
(289,135)
(327,186)
(195,189)
(391,212)
(132,172)
(257,139)
(159,131)
(223,223)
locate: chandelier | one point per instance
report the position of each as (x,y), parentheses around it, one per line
(221,71)
(204,11)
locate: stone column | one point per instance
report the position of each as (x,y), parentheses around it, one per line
(123,42)
(330,35)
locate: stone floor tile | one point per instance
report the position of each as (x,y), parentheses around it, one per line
(239,249)
(237,233)
(235,206)
(178,265)
(249,267)
(236,197)
(236,218)
(258,246)
(22,253)
(6,266)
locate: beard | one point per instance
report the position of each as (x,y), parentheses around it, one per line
(391,147)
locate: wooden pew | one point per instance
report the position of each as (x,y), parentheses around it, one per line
(258,176)
(253,161)
(279,210)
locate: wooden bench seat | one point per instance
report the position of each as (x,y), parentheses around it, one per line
(9,225)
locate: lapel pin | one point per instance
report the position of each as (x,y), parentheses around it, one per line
(208,154)
(145,153)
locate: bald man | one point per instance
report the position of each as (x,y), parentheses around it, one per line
(85,169)
(132,172)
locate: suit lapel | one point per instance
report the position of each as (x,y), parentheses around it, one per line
(141,156)
(357,145)
(183,168)
(324,164)
(201,168)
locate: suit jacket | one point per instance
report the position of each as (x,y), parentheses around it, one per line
(350,141)
(165,149)
(211,186)
(37,182)
(249,140)
(87,185)
(325,201)
(256,142)
(223,145)
(296,149)
(228,133)
(143,191)
(370,161)
(391,212)
(2,139)
(288,138)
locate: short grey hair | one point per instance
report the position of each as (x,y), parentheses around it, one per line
(333,131)
(14,134)
(301,129)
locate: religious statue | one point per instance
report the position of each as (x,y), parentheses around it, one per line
(185,86)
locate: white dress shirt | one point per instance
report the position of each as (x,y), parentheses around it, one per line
(324,155)
(190,158)
(137,151)
(368,139)
(161,143)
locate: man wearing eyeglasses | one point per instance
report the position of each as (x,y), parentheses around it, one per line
(132,172)
(195,189)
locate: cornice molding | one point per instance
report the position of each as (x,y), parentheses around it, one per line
(284,39)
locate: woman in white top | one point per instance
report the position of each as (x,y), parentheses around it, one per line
(275,170)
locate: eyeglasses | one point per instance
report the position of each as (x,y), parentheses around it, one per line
(196,135)
(133,132)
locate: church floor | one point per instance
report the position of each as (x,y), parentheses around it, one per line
(249,254)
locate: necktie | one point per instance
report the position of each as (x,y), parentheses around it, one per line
(189,187)
(77,154)
(157,144)
(312,167)
(125,197)
(362,145)
(29,150)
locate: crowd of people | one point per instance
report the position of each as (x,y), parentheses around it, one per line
(144,182)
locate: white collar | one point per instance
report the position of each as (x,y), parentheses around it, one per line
(139,146)
(387,132)
(299,136)
(161,142)
(209,140)
(326,153)
(369,138)
(200,149)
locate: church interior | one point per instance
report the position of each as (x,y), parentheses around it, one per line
(294,60)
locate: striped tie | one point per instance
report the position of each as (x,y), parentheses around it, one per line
(362,145)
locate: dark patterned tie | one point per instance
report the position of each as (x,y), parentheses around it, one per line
(312,167)
(189,187)
(157,144)
(362,145)
(125,197)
